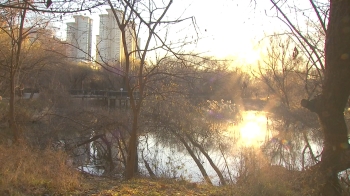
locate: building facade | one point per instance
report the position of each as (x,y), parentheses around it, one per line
(109,46)
(79,36)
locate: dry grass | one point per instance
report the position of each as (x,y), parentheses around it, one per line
(28,171)
(160,187)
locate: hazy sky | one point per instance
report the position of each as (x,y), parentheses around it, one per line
(225,27)
(235,27)
(230,27)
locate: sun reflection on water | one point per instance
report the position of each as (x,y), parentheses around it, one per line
(251,130)
(251,133)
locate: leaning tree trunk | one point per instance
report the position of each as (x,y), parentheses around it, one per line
(211,162)
(331,103)
(196,160)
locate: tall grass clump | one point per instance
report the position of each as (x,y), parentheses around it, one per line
(257,176)
(25,170)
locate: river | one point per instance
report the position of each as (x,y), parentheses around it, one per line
(255,133)
(255,137)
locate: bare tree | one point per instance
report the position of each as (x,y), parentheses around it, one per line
(281,70)
(134,18)
(18,37)
(179,118)
(18,23)
(329,105)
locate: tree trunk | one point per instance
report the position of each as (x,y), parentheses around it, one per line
(15,65)
(12,118)
(121,149)
(149,169)
(217,170)
(109,156)
(330,105)
(198,163)
(131,164)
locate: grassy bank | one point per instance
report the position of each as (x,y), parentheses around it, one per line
(28,171)
(159,187)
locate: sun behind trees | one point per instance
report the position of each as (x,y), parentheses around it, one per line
(161,111)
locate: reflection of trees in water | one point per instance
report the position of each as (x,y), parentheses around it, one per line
(97,152)
(293,146)
(287,144)
(196,131)
(168,127)
(203,129)
(93,137)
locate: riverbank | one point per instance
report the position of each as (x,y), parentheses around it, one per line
(146,186)
(26,171)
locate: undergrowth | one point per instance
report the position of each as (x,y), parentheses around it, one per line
(26,170)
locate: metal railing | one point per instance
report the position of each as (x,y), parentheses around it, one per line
(100,93)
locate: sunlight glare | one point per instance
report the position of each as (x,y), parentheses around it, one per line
(250,131)
(253,131)
(250,56)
